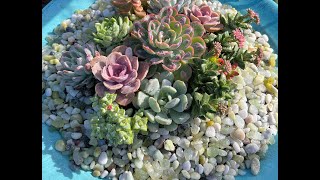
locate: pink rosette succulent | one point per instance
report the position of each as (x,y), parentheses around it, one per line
(120,72)
(204,15)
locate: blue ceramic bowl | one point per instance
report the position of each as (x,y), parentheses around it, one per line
(55,166)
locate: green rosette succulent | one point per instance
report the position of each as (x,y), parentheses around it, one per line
(75,66)
(156,5)
(112,31)
(111,122)
(168,38)
(166,102)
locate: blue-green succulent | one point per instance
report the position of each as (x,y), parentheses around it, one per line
(166,102)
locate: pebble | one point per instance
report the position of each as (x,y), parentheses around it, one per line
(53,117)
(199,168)
(185,174)
(158,155)
(235,108)
(271,119)
(60,145)
(195,175)
(69,110)
(127,175)
(153,127)
(154,136)
(217,127)
(103,158)
(249,119)
(243,113)
(76,135)
(255,166)
(138,163)
(186,165)
(261,40)
(239,122)
(238,134)
(251,148)
(48,92)
(163,132)
(258,34)
(175,164)
(112,172)
(268,98)
(96,173)
(104,174)
(168,145)
(75,111)
(207,168)
(197,121)
(236,147)
(173,157)
(220,168)
(253,109)
(227,121)
(226,169)
(210,132)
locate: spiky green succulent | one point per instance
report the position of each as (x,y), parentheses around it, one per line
(75,66)
(166,102)
(209,87)
(168,38)
(110,121)
(156,5)
(112,31)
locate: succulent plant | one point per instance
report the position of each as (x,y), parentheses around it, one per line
(75,66)
(112,31)
(120,72)
(210,85)
(169,38)
(204,15)
(156,5)
(240,21)
(110,121)
(129,7)
(166,103)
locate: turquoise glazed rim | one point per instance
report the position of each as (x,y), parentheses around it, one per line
(55,166)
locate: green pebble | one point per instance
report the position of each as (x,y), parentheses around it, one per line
(60,145)
(97,152)
(96,173)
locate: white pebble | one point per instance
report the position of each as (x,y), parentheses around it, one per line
(217,127)
(103,158)
(104,174)
(76,135)
(75,111)
(195,175)
(265,37)
(69,110)
(53,117)
(235,108)
(243,113)
(251,148)
(258,34)
(236,147)
(210,132)
(268,98)
(255,166)
(261,40)
(112,173)
(227,121)
(186,165)
(48,92)
(253,109)
(239,122)
(207,168)
(127,175)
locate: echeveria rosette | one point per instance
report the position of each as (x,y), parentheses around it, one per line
(156,5)
(120,72)
(111,31)
(169,38)
(129,7)
(204,15)
(75,66)
(165,103)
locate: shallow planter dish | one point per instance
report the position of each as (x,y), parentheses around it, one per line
(55,166)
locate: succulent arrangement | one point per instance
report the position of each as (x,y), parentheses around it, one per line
(168,85)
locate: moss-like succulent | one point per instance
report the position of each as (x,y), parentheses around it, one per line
(75,66)
(110,122)
(156,5)
(169,38)
(166,102)
(130,7)
(112,31)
